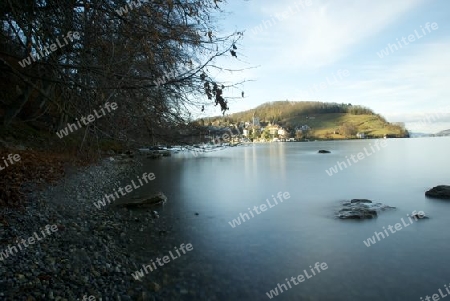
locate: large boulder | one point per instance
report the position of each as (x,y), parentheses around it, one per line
(155,200)
(361,209)
(360,201)
(439,192)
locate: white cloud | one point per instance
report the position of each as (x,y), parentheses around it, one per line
(326,31)
(416,81)
(409,88)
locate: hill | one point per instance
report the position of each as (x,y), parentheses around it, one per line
(325,120)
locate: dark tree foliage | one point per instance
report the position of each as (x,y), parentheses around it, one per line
(150,57)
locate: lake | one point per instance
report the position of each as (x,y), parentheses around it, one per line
(246,261)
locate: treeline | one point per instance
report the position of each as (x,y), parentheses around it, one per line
(60,60)
(280,110)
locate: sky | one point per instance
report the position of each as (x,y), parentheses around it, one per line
(392,56)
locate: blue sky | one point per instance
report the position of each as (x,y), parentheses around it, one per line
(338,43)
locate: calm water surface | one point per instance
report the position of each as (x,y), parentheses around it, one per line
(245,262)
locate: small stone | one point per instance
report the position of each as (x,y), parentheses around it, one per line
(154,286)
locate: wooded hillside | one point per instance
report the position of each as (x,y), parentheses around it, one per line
(327,120)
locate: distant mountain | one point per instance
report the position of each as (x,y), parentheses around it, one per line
(326,120)
(418,135)
(443,133)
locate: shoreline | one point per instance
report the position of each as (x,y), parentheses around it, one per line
(89,255)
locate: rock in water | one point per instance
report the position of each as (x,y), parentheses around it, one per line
(361,201)
(419,216)
(323,151)
(439,192)
(154,155)
(361,209)
(158,199)
(166,153)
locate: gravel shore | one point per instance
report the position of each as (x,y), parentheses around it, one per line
(87,255)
